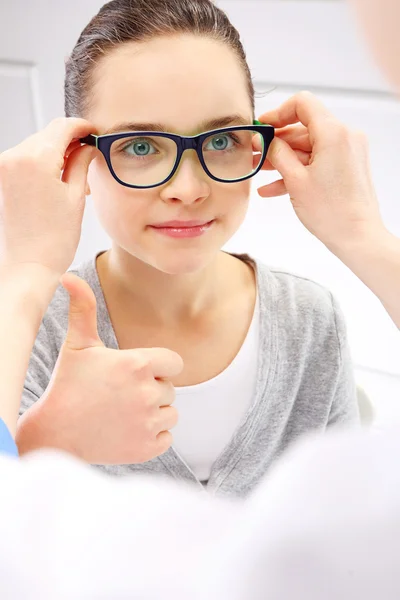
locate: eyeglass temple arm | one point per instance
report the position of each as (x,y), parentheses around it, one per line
(255,122)
(90,140)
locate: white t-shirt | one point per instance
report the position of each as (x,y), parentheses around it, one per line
(210,412)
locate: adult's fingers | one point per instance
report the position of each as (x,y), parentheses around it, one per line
(73,146)
(76,169)
(284,159)
(296,136)
(304,108)
(52,142)
(304,158)
(274,189)
(65,130)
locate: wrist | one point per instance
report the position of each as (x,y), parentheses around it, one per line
(29,271)
(29,285)
(367,241)
(38,428)
(375,260)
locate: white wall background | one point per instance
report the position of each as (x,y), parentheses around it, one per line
(291,45)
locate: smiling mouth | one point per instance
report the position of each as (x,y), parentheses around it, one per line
(176,224)
(183,229)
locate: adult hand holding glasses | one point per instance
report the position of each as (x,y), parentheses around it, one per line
(42,191)
(42,196)
(326,172)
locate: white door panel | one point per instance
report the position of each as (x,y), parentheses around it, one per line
(19,106)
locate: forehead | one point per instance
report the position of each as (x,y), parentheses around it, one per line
(180,81)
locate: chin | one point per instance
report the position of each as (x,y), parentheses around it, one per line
(183,262)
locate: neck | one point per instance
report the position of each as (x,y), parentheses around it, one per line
(159,296)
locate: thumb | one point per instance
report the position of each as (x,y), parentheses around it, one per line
(82,321)
(284,159)
(76,170)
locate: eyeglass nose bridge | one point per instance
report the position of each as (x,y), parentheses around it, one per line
(190,143)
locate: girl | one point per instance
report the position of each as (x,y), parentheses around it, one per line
(265,353)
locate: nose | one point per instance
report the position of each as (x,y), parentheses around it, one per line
(190,184)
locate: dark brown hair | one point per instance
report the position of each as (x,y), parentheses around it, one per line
(122,21)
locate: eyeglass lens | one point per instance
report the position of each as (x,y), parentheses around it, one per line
(148,160)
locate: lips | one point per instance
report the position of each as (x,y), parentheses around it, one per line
(183,229)
(180,224)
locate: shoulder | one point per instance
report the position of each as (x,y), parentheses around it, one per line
(295,289)
(300,304)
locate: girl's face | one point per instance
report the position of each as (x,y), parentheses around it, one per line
(186,85)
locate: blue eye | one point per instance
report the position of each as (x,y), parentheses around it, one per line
(139,148)
(220,142)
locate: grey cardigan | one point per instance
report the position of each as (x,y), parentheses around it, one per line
(305,378)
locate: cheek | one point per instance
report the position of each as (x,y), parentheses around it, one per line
(236,200)
(118,208)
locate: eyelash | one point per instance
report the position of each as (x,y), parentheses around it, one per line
(125,146)
(234,138)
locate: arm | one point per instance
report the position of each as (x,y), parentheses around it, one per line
(33,431)
(375,259)
(42,190)
(326,171)
(24,294)
(344,409)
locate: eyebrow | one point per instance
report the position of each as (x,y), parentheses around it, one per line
(205,126)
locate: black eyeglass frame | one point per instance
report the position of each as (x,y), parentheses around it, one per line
(104,143)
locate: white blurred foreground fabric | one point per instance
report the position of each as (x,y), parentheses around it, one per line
(325,525)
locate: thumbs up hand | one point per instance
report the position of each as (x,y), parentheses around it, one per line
(105,406)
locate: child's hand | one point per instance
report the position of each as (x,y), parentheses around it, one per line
(105,406)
